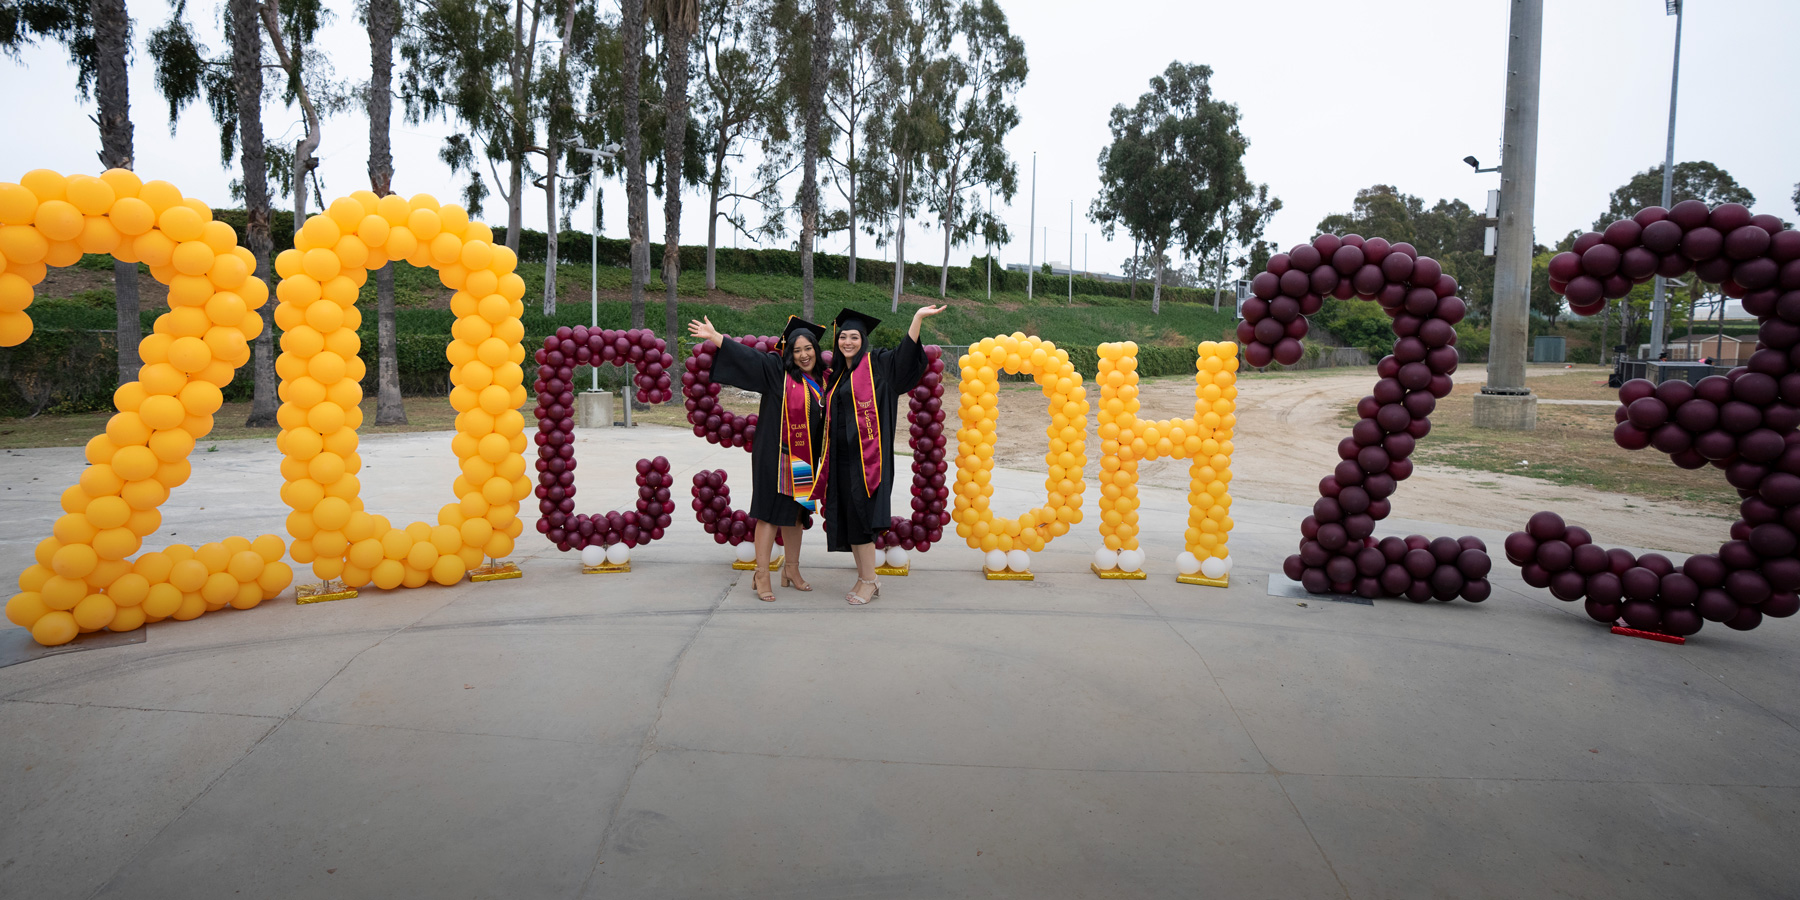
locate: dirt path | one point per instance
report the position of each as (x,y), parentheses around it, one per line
(1287,435)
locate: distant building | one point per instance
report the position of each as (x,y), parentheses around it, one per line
(1729,350)
(1061,270)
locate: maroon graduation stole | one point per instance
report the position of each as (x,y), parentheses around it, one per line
(796,477)
(868,423)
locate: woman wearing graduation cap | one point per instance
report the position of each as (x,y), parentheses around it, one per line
(790,436)
(861,398)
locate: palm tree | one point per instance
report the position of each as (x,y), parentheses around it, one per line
(383,19)
(678,20)
(246,71)
(637,191)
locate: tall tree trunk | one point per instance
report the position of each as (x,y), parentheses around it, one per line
(712,214)
(390,409)
(824,14)
(113,91)
(900,238)
(1134,267)
(1156,294)
(949,220)
(246,76)
(675,106)
(552,156)
(519,68)
(852,170)
(637,190)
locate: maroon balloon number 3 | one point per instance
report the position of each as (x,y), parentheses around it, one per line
(562,352)
(1338,550)
(1742,422)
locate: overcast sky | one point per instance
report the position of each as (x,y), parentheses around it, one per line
(1335,96)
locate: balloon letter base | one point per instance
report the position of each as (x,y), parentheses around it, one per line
(1628,631)
(319,593)
(606,568)
(1007,575)
(897,571)
(496,571)
(749,565)
(1117,573)
(1221,581)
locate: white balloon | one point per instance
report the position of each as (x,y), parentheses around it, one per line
(1212,567)
(1018,560)
(618,554)
(996,560)
(1187,563)
(896,556)
(1131,560)
(746,551)
(1106,559)
(593,555)
(1227,561)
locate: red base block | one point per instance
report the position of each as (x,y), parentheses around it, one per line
(1648,635)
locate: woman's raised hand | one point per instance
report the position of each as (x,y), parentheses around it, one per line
(703,329)
(926,312)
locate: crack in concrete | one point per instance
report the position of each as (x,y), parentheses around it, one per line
(646,749)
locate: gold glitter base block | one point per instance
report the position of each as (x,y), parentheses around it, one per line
(750,566)
(495,570)
(1221,581)
(606,568)
(900,571)
(1007,575)
(319,593)
(1116,572)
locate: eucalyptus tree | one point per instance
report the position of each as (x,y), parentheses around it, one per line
(913,125)
(859,47)
(556,91)
(232,85)
(97,36)
(1174,166)
(819,65)
(744,98)
(473,60)
(985,69)
(677,20)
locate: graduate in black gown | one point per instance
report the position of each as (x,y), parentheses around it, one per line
(861,402)
(790,435)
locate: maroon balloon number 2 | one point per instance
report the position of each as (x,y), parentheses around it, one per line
(1742,422)
(1338,550)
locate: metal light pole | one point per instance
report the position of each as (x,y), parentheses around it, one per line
(1031,231)
(1659,306)
(1505,401)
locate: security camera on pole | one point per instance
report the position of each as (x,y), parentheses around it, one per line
(595,407)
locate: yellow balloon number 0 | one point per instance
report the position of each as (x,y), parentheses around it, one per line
(321,388)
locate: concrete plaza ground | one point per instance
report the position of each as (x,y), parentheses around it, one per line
(664,734)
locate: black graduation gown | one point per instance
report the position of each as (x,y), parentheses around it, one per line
(753,370)
(852,516)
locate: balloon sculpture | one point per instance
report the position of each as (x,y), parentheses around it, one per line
(321,388)
(1338,550)
(1204,440)
(712,496)
(608,537)
(82,580)
(1009,542)
(1742,422)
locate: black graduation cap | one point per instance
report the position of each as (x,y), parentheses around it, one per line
(797,325)
(855,321)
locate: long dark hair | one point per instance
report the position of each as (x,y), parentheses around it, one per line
(793,369)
